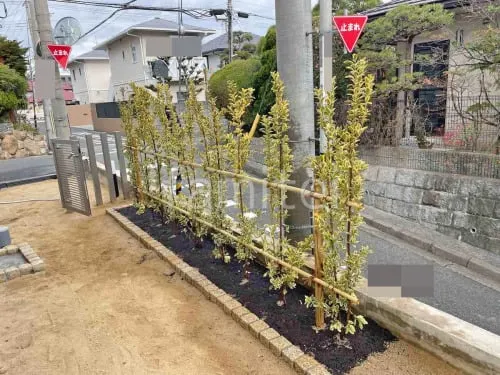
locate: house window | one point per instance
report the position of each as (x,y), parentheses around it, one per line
(431,60)
(80,71)
(459,37)
(74,75)
(123,55)
(134,53)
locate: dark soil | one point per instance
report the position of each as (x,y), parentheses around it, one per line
(294,321)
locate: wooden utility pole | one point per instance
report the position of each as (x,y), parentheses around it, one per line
(42,17)
(230,28)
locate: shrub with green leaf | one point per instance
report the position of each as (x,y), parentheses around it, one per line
(238,152)
(278,159)
(240,72)
(339,172)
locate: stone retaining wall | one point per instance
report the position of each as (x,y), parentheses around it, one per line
(15,144)
(466,208)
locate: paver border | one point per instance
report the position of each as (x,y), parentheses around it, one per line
(33,262)
(302,363)
(461,344)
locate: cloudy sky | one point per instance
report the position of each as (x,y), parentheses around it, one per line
(15,26)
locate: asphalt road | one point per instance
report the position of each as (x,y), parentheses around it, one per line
(454,291)
(19,169)
(80,133)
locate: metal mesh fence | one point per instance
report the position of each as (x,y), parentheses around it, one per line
(440,133)
(463,123)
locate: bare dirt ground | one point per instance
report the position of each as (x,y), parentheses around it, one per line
(105,305)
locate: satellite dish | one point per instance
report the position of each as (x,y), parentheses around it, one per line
(67,31)
(160,69)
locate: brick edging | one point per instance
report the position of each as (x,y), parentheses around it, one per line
(33,262)
(270,338)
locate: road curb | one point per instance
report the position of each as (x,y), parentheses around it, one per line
(461,344)
(29,180)
(300,362)
(436,243)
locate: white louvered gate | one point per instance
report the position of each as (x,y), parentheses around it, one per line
(71,176)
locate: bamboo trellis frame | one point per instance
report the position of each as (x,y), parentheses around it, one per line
(307,193)
(318,251)
(306,275)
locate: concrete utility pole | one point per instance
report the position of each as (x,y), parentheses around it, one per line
(230,28)
(325,29)
(294,55)
(47,107)
(325,53)
(33,92)
(42,16)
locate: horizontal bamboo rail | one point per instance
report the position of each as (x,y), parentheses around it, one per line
(273,185)
(353,299)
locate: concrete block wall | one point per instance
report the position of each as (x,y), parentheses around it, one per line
(463,207)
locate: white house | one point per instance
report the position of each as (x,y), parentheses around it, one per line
(452,87)
(213,49)
(90,76)
(128,60)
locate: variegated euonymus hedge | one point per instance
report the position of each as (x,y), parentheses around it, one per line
(278,159)
(339,172)
(163,138)
(213,156)
(238,152)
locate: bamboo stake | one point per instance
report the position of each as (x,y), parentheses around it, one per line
(137,171)
(318,261)
(254,126)
(232,237)
(293,189)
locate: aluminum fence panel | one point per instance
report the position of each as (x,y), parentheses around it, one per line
(71,176)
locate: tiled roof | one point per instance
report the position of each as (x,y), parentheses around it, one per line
(384,8)
(92,55)
(221,43)
(158,24)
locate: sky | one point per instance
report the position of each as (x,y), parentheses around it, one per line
(15,25)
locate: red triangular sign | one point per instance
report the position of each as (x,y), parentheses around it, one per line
(350,28)
(60,53)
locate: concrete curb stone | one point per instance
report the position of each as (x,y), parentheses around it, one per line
(291,354)
(229,306)
(257,327)
(279,344)
(304,363)
(238,312)
(34,262)
(267,335)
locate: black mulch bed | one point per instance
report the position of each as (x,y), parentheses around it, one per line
(294,321)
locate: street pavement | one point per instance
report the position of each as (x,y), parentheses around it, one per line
(27,168)
(81,132)
(457,291)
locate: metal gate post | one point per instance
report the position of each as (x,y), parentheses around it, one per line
(93,169)
(58,173)
(123,166)
(107,164)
